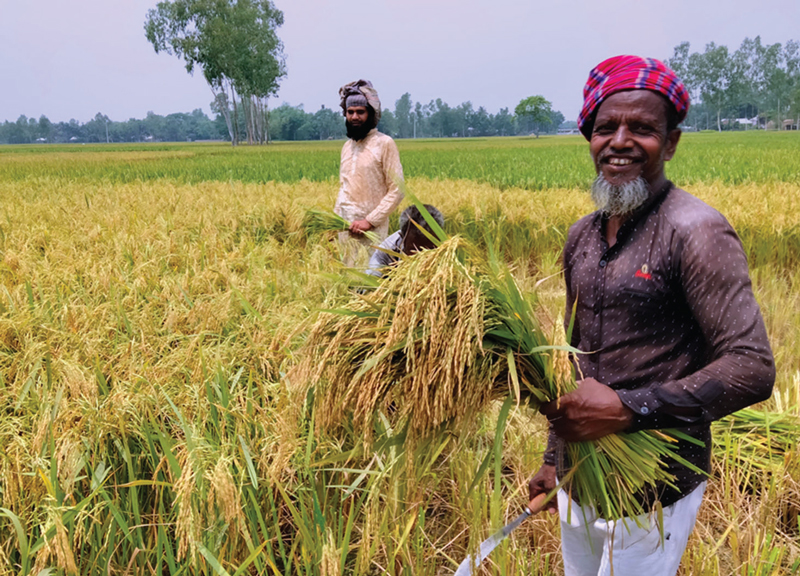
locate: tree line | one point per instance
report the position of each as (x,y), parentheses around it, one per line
(180,127)
(408,120)
(756,85)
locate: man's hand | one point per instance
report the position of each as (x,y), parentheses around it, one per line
(543,482)
(590,412)
(358,227)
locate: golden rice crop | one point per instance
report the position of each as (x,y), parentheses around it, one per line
(149,302)
(762,439)
(445,334)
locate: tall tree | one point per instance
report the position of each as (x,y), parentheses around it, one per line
(757,80)
(402,114)
(481,122)
(420,120)
(556,120)
(19,132)
(715,78)
(679,63)
(235,44)
(536,111)
(96,129)
(45,128)
(287,121)
(329,123)
(504,123)
(462,119)
(439,120)
(388,123)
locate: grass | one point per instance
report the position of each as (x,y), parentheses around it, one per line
(152,297)
(533,164)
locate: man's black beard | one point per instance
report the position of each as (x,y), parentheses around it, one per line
(358,132)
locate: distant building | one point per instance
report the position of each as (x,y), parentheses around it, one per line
(740,123)
(562,131)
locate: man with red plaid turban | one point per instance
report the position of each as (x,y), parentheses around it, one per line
(658,284)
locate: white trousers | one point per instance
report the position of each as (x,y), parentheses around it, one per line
(597,547)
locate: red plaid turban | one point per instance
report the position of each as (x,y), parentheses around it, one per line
(629,73)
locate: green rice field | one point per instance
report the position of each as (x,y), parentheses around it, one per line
(154,297)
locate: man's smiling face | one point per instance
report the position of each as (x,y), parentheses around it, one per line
(630,138)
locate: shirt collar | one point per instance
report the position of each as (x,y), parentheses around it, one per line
(365,139)
(649,205)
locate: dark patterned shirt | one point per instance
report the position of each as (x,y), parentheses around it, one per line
(669,318)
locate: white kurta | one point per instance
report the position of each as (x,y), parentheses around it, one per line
(370,175)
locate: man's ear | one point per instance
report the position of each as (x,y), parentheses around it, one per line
(672,144)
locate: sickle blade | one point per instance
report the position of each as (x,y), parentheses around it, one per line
(486,547)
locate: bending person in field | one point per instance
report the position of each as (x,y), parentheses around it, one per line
(370,172)
(407,240)
(665,309)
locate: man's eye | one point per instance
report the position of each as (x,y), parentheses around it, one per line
(643,129)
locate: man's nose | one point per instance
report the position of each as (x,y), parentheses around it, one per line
(621,138)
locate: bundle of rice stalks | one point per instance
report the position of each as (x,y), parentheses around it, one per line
(317,221)
(447,332)
(755,439)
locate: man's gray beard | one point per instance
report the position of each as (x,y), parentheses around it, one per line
(619,200)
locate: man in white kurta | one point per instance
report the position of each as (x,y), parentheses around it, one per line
(370,173)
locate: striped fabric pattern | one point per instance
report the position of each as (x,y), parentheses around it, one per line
(630,73)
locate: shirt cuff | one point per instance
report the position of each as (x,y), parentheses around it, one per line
(644,404)
(374,220)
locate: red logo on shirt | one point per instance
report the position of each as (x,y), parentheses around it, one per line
(644,272)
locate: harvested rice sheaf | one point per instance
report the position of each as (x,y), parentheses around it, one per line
(413,348)
(445,333)
(318,221)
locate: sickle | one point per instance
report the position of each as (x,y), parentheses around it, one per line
(534,507)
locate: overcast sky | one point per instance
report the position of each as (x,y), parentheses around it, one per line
(71,59)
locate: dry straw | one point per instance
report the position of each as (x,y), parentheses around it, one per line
(445,333)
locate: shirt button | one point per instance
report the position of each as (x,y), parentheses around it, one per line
(603,263)
(644,410)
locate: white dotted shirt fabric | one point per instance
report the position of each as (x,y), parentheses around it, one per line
(670,322)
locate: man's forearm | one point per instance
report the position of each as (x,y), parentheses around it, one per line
(722,387)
